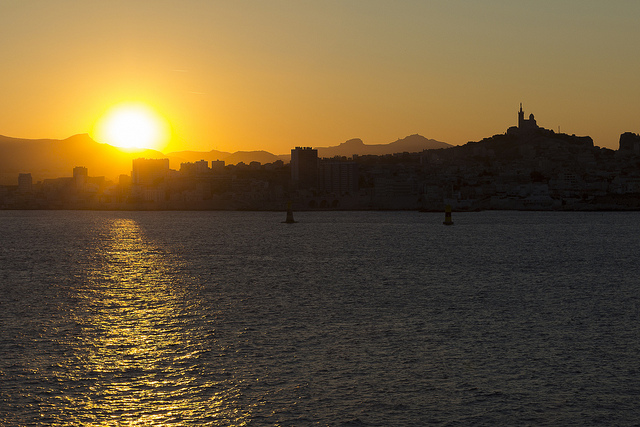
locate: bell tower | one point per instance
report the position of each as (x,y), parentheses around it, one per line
(520,117)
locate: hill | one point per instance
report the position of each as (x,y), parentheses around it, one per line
(229,158)
(251,156)
(53,158)
(412,144)
(516,144)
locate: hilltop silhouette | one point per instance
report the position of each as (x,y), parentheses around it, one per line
(229,158)
(536,143)
(526,168)
(527,147)
(52,158)
(410,144)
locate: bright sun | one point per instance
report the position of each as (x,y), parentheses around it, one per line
(132,126)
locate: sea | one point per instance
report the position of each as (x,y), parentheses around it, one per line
(341,319)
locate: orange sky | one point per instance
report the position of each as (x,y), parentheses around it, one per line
(248,75)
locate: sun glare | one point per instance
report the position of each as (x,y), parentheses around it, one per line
(131,126)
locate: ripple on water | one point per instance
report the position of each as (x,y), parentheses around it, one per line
(210,318)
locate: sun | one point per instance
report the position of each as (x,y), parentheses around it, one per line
(131,126)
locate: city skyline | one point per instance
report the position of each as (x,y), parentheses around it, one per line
(153,154)
(271,76)
(526,168)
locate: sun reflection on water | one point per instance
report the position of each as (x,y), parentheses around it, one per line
(144,340)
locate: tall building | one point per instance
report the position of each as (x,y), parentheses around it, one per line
(80,171)
(80,175)
(149,171)
(195,169)
(304,167)
(217,165)
(25,183)
(338,177)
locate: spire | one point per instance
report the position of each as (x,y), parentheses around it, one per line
(521,117)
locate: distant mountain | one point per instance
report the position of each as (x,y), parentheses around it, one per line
(229,158)
(411,144)
(251,156)
(194,156)
(53,158)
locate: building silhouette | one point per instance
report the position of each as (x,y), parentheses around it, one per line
(526,124)
(217,165)
(630,143)
(149,171)
(304,168)
(195,169)
(80,175)
(25,183)
(338,177)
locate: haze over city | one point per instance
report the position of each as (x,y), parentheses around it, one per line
(253,75)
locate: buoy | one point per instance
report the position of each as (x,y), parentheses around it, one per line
(447,215)
(289,219)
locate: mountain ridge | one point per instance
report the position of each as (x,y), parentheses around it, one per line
(47,158)
(412,143)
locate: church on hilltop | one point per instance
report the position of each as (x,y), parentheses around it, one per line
(524,125)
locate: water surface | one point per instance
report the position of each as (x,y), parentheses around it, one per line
(345,318)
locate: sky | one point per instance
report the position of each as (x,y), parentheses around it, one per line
(275,74)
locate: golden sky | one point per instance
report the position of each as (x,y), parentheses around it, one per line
(249,75)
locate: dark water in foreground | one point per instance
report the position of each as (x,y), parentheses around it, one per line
(346,318)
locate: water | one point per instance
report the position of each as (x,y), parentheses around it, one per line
(346,318)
